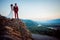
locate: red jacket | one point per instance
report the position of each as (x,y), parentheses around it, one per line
(15,9)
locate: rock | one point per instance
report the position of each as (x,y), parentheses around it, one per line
(13,29)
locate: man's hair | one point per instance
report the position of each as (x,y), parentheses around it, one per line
(15,3)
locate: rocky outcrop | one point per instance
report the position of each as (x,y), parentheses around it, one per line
(13,29)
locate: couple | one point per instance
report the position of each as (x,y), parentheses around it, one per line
(15,9)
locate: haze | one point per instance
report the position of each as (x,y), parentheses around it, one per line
(33,9)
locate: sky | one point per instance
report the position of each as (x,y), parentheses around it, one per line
(33,9)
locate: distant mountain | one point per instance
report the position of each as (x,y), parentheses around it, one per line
(53,23)
(49,23)
(30,23)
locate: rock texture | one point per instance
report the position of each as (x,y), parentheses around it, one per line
(13,29)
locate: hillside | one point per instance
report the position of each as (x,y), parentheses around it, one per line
(13,29)
(30,23)
(50,28)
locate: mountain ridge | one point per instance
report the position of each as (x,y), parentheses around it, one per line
(13,29)
(54,22)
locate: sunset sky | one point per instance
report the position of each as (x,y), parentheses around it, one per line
(33,9)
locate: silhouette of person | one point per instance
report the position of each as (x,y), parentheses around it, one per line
(11,7)
(10,15)
(15,8)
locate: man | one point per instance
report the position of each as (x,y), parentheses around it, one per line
(15,8)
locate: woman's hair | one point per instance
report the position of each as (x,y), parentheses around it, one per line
(11,5)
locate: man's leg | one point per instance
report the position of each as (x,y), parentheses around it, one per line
(17,15)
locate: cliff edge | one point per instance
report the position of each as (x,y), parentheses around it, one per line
(13,29)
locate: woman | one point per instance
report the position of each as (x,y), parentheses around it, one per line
(11,7)
(11,12)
